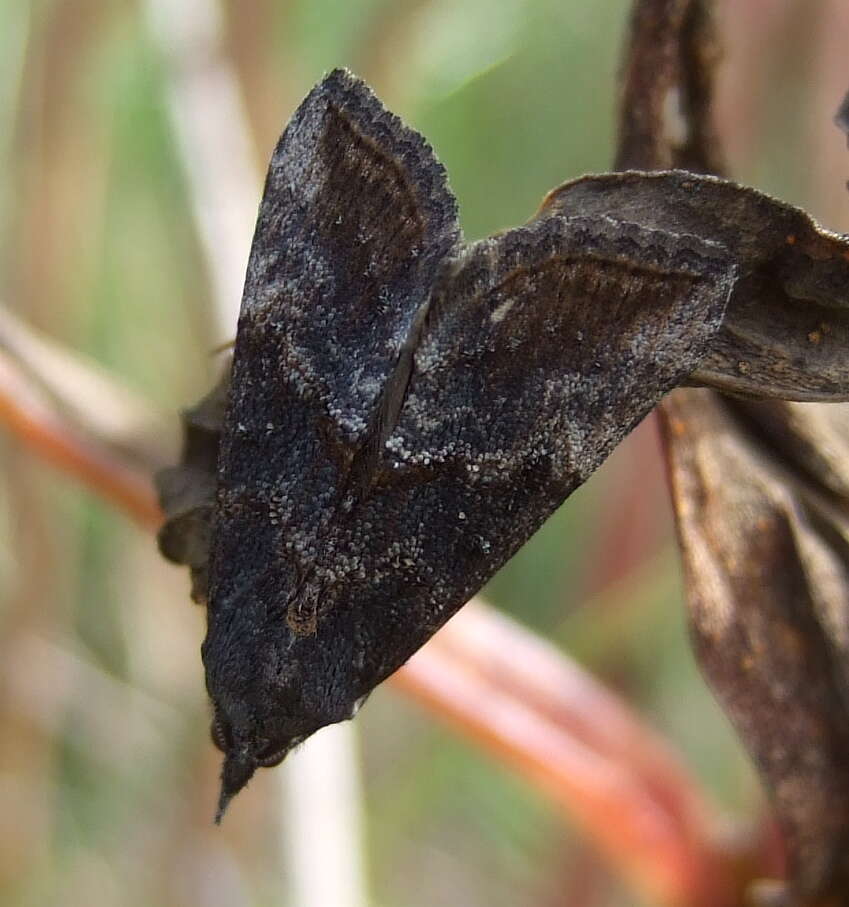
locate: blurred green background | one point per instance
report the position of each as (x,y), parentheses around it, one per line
(107,777)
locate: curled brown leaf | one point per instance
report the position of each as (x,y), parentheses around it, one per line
(759,488)
(768,593)
(786,327)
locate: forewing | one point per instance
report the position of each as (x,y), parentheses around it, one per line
(354,222)
(542,350)
(355,218)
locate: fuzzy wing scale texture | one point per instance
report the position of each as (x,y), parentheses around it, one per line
(355,221)
(542,349)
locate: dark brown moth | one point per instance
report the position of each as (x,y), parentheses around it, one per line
(405,409)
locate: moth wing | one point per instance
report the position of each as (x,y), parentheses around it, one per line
(355,219)
(549,343)
(541,351)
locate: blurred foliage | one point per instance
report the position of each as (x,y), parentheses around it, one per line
(106,775)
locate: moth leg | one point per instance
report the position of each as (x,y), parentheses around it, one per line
(223,347)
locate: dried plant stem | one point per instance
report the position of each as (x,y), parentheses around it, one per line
(538,711)
(28,416)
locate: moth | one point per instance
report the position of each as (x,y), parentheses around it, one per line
(405,409)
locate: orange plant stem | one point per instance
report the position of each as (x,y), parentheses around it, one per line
(46,433)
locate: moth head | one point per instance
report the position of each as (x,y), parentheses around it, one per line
(271,689)
(248,743)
